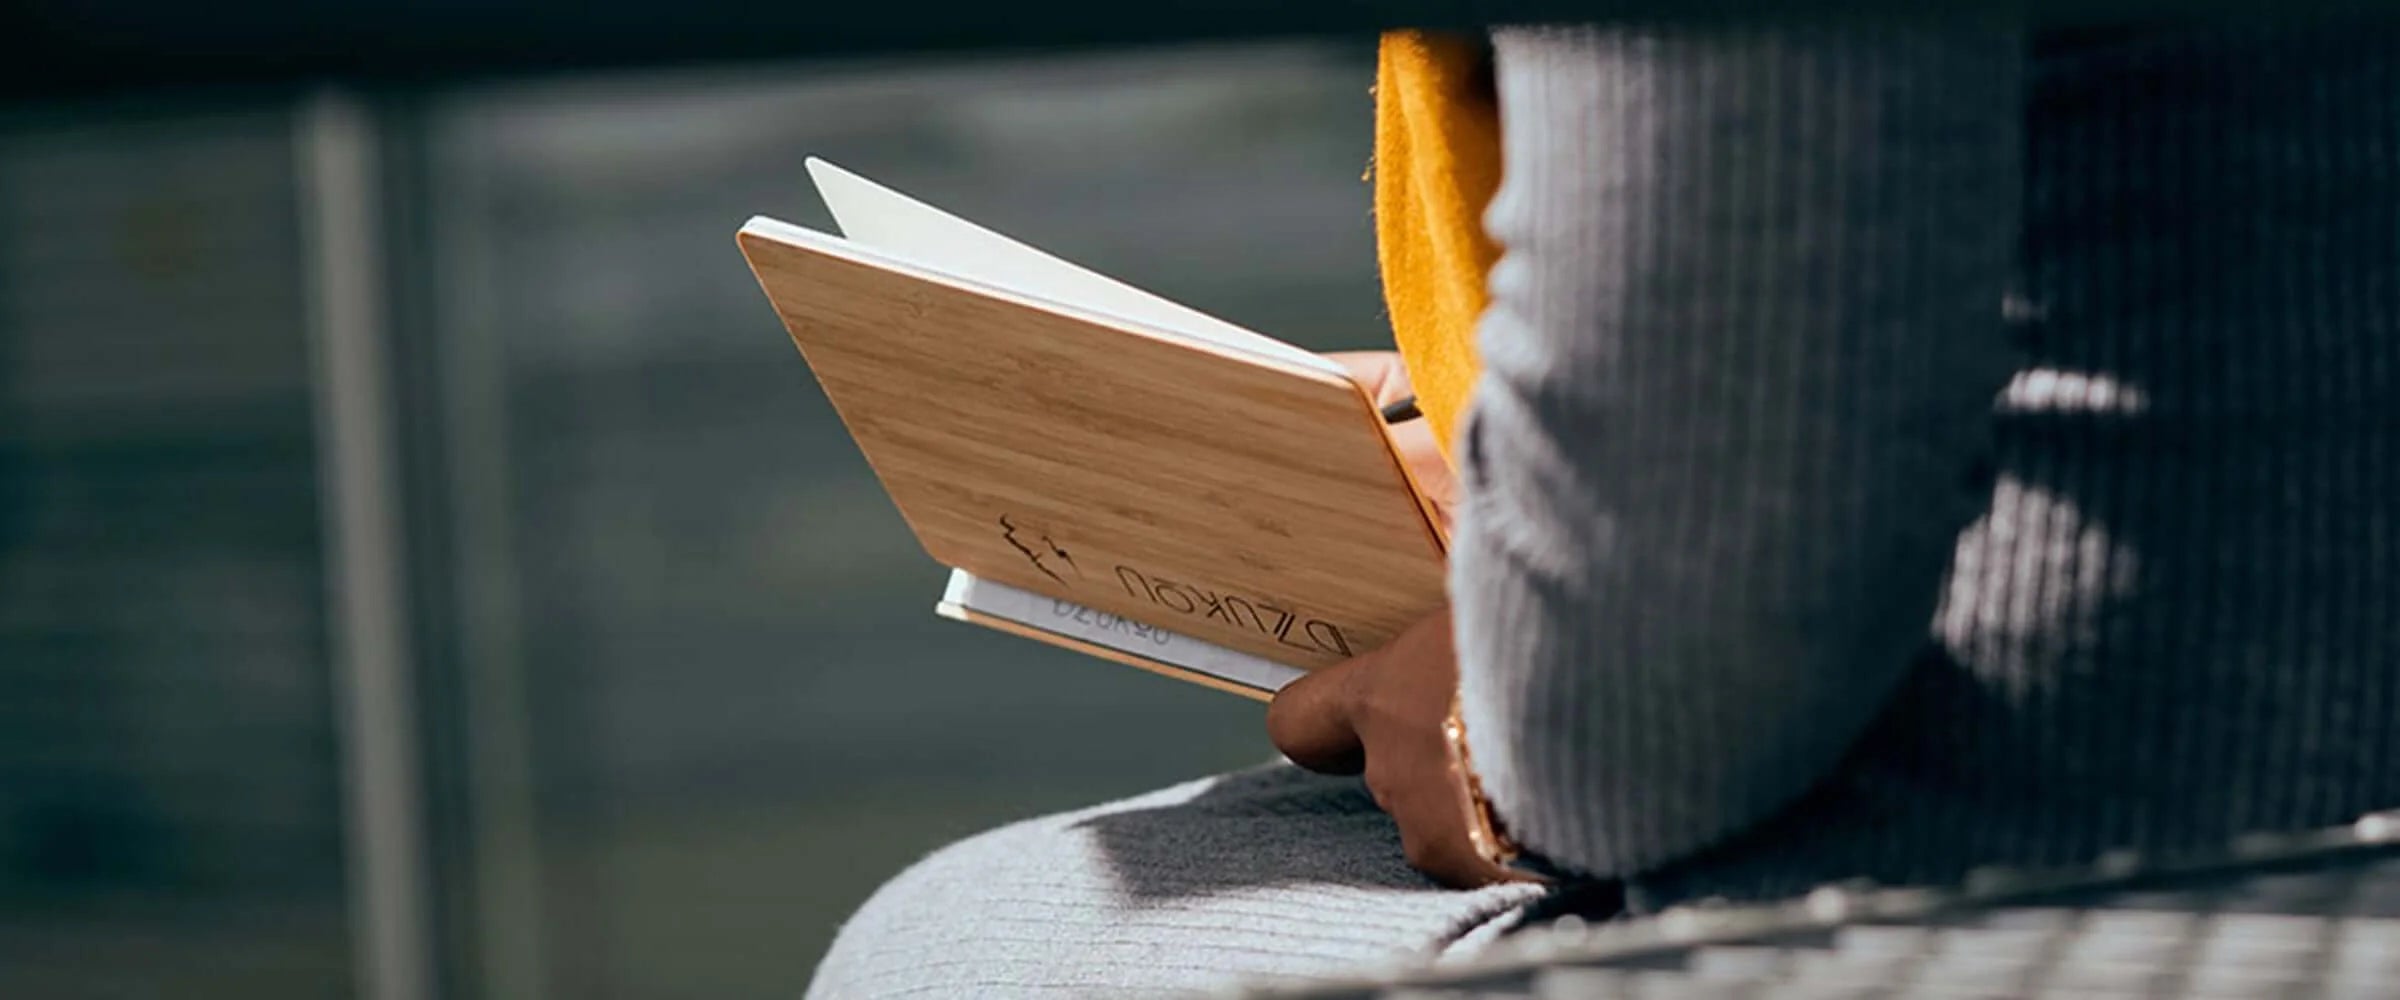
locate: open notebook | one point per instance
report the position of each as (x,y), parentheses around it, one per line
(1103,469)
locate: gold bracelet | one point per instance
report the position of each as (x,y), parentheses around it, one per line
(1484,830)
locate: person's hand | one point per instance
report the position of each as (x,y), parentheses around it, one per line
(1386,380)
(1384,714)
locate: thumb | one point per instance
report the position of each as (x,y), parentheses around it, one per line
(1309,721)
(1380,373)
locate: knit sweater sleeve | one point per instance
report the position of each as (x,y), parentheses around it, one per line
(1739,364)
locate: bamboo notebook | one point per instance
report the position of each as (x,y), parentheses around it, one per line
(1101,468)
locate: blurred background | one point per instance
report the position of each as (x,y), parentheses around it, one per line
(427,569)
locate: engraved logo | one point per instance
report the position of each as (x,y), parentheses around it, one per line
(1285,626)
(1039,549)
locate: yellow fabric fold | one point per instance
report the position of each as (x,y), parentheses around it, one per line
(1437,163)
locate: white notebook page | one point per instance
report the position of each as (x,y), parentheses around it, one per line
(886,221)
(1067,618)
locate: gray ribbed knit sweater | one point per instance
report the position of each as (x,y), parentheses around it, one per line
(1782,313)
(1895,455)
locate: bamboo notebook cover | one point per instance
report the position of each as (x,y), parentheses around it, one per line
(1102,469)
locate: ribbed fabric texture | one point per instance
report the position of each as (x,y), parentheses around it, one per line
(1772,305)
(1741,351)
(1272,873)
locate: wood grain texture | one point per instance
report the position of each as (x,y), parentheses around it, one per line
(1241,500)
